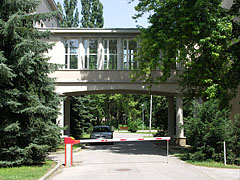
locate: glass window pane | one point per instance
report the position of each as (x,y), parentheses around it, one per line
(85,46)
(113,62)
(66,61)
(86,62)
(92,62)
(105,62)
(73,46)
(125,44)
(105,46)
(113,46)
(73,62)
(93,46)
(132,46)
(66,48)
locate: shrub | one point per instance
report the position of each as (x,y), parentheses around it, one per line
(206,127)
(134,125)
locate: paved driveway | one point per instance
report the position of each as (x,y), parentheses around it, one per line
(135,160)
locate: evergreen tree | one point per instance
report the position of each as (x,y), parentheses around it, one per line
(28,103)
(70,13)
(81,115)
(92,12)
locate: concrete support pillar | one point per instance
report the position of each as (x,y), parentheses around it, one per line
(100,58)
(67,116)
(81,58)
(60,119)
(180,139)
(120,54)
(171,128)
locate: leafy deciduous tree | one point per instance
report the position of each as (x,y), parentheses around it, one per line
(92,12)
(200,35)
(70,13)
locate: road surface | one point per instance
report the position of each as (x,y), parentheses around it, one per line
(135,161)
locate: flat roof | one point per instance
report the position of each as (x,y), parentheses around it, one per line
(92,30)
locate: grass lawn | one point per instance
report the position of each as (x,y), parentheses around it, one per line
(209,163)
(26,172)
(212,164)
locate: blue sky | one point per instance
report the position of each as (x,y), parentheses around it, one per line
(118,14)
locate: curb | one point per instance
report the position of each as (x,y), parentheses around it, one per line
(51,171)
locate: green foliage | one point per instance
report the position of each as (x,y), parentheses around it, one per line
(28,104)
(199,35)
(81,115)
(70,13)
(206,128)
(134,125)
(92,12)
(234,142)
(116,109)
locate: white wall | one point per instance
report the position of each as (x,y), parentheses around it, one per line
(45,7)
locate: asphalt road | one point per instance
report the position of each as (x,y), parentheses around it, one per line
(135,160)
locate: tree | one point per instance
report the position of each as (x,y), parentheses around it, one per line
(81,115)
(70,13)
(206,127)
(28,104)
(200,35)
(92,12)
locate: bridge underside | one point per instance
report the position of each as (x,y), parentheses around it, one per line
(76,83)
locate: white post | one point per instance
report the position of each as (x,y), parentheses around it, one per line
(81,54)
(142,116)
(179,117)
(68,155)
(167,149)
(224,151)
(100,56)
(120,54)
(150,119)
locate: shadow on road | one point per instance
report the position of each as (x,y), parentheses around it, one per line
(136,148)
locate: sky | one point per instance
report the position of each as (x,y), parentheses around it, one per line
(118,14)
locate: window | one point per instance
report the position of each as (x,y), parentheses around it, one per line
(71,54)
(110,54)
(91,51)
(129,48)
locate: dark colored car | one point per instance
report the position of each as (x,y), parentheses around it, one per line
(102,132)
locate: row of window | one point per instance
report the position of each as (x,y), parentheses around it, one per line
(91,55)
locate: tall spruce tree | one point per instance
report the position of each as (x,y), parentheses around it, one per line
(81,115)
(92,12)
(70,13)
(28,103)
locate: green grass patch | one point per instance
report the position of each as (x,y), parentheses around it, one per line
(87,136)
(179,152)
(147,136)
(153,133)
(26,172)
(212,164)
(61,147)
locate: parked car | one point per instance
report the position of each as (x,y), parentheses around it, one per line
(102,132)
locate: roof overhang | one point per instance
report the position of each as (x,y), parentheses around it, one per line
(93,30)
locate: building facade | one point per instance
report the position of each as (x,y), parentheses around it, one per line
(95,61)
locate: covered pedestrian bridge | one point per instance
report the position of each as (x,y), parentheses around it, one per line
(96,61)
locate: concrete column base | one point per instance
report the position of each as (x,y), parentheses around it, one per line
(178,141)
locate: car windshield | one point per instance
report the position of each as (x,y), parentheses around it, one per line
(101,129)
